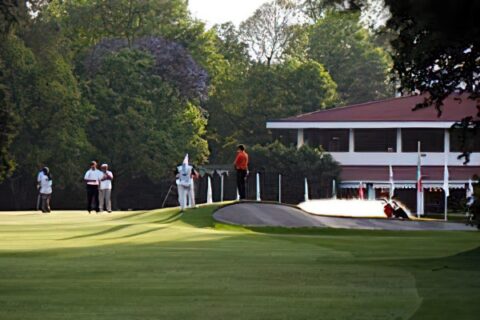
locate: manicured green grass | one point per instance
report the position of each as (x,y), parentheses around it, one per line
(163,265)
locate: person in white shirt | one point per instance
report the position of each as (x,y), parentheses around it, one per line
(105,191)
(45,182)
(92,179)
(39,197)
(185,184)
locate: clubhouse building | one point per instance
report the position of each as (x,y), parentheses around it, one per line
(366,139)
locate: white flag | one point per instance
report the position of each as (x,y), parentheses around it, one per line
(470,193)
(420,196)
(445,180)
(185,160)
(392,183)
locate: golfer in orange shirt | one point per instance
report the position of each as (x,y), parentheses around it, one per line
(241,166)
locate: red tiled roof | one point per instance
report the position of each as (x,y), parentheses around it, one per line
(407,173)
(454,108)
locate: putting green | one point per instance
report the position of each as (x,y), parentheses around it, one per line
(163,265)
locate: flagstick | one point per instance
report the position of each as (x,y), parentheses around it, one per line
(258,187)
(306,190)
(446,190)
(280,188)
(221,187)
(420,197)
(446,206)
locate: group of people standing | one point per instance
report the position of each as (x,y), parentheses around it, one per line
(99,188)
(99,184)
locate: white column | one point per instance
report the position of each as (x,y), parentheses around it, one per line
(334,189)
(300,139)
(399,140)
(351,140)
(446,142)
(370,192)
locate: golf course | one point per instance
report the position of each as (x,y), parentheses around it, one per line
(163,264)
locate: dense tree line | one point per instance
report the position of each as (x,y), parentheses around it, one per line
(139,83)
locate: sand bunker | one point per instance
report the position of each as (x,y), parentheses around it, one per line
(353,208)
(258,214)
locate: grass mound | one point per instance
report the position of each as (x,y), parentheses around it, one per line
(161,264)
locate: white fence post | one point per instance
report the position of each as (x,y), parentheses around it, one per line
(306,189)
(209,191)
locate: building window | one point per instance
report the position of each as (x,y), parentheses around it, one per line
(431,140)
(375,140)
(287,137)
(468,140)
(331,140)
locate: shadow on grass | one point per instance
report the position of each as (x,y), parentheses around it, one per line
(137,234)
(168,219)
(200,217)
(171,218)
(313,231)
(106,231)
(130,215)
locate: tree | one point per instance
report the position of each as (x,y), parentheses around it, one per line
(435,45)
(267,32)
(308,87)
(145,121)
(316,9)
(293,162)
(12,13)
(343,46)
(230,44)
(265,93)
(438,46)
(437,50)
(88,22)
(50,115)
(7,120)
(172,62)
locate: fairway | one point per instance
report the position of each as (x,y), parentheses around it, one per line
(161,264)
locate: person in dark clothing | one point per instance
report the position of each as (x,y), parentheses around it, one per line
(92,178)
(241,167)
